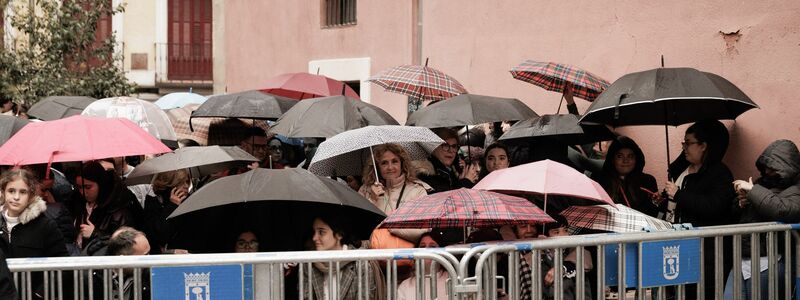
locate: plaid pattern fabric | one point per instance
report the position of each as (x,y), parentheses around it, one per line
(525,277)
(465,207)
(607,218)
(346,153)
(552,76)
(419,82)
(210,131)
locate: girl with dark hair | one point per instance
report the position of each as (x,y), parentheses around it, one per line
(333,233)
(102,204)
(408,288)
(623,177)
(495,158)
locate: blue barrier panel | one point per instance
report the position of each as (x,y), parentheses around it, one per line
(670,262)
(202,282)
(611,258)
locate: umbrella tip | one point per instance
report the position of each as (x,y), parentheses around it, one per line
(426,61)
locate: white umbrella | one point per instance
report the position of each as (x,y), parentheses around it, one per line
(143,113)
(345,153)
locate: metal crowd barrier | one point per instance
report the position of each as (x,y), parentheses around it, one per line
(623,260)
(646,247)
(69,277)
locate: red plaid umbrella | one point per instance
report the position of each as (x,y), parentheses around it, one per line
(465,207)
(420,82)
(210,131)
(553,76)
(612,219)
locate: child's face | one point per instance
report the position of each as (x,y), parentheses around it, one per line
(560,231)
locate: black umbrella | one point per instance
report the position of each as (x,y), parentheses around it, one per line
(59,107)
(564,127)
(329,116)
(668,96)
(278,204)
(9,125)
(469,109)
(247,105)
(201,161)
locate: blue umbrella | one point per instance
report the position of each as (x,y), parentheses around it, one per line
(178,100)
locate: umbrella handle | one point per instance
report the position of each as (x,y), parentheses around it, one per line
(374,166)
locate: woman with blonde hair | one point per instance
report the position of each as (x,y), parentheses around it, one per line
(396,184)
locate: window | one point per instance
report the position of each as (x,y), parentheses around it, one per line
(339,13)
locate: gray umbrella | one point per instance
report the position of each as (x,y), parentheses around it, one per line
(9,125)
(297,193)
(328,116)
(564,128)
(59,107)
(668,96)
(201,161)
(469,109)
(246,105)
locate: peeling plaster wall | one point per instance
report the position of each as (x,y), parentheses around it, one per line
(754,44)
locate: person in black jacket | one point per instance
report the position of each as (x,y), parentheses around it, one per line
(102,204)
(7,288)
(701,192)
(440,172)
(25,231)
(775,196)
(171,188)
(624,179)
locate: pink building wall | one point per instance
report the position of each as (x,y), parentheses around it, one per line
(755,45)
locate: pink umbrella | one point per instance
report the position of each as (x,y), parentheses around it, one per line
(545,177)
(78,138)
(304,85)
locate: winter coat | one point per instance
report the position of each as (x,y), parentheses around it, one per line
(7,287)
(120,209)
(35,236)
(775,199)
(439,177)
(158,231)
(628,190)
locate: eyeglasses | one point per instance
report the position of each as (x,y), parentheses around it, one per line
(686,144)
(450,147)
(246,244)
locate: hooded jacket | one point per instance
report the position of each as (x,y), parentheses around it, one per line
(774,199)
(705,198)
(628,190)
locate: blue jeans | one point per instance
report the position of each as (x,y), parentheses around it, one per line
(763,280)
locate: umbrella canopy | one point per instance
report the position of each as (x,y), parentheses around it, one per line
(668,96)
(9,126)
(283,202)
(470,109)
(248,104)
(421,82)
(204,161)
(177,100)
(59,107)
(564,127)
(554,76)
(613,219)
(301,86)
(78,138)
(545,177)
(345,153)
(143,113)
(329,116)
(465,207)
(210,131)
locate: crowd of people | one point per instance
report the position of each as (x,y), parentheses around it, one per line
(87,209)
